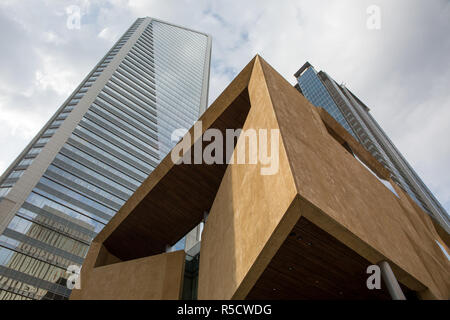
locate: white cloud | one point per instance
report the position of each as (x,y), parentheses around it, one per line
(107,34)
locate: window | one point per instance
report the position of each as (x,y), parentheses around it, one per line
(16,174)
(34,151)
(56,123)
(4,191)
(73,102)
(42,140)
(25,162)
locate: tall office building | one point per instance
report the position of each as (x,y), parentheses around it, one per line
(96,150)
(321,90)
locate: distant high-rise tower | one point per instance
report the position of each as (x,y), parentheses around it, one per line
(322,91)
(96,150)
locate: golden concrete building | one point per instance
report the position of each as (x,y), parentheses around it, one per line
(309,231)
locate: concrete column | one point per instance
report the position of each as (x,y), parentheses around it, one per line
(391,281)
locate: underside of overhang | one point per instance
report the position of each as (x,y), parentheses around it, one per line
(178,201)
(312,264)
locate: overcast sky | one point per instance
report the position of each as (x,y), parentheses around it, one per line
(401,71)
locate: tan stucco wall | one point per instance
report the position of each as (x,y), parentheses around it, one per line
(332,180)
(335,192)
(248,209)
(151,278)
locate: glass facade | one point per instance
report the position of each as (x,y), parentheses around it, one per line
(156,87)
(321,90)
(314,90)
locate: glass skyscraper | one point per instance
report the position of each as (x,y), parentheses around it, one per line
(322,91)
(96,150)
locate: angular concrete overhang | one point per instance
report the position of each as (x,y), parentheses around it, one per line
(307,231)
